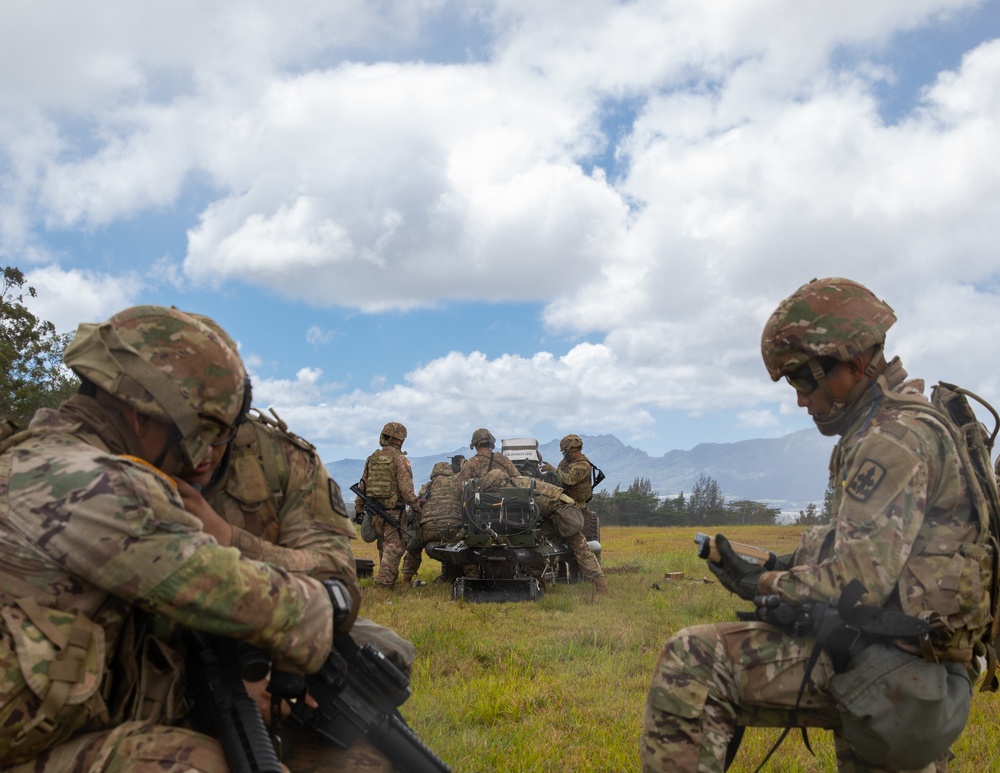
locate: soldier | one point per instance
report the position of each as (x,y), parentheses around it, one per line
(484,459)
(560,515)
(283,507)
(388,480)
(440,520)
(903,525)
(576,475)
(100,561)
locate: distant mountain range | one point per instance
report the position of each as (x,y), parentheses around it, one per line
(787,472)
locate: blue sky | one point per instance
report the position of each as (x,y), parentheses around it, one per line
(463,214)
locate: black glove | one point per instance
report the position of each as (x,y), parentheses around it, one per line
(737,575)
(781,563)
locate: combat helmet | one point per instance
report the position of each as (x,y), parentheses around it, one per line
(833,317)
(169,365)
(482,435)
(570,441)
(442,468)
(827,320)
(394,430)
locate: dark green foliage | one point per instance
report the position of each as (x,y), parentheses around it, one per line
(32,375)
(640,506)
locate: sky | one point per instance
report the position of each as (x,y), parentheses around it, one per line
(464,213)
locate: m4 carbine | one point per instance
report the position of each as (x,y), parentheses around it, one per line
(358,692)
(373,508)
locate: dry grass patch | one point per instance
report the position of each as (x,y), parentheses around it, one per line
(560,684)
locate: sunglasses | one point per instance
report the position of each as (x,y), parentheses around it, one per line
(803,379)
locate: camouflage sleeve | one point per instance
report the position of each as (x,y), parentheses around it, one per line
(404,478)
(314,530)
(574,472)
(884,494)
(469,470)
(121,527)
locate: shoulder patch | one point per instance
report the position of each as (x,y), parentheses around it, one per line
(895,429)
(865,481)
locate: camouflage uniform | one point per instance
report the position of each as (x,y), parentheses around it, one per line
(100,562)
(901,494)
(576,477)
(566,519)
(484,461)
(440,517)
(286,509)
(395,467)
(559,516)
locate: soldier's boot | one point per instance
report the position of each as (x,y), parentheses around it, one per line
(407,580)
(601,585)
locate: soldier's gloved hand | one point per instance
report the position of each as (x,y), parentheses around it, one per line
(738,576)
(780,563)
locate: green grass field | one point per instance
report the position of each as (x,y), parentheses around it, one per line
(560,684)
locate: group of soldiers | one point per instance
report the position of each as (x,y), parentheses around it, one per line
(416,521)
(156,501)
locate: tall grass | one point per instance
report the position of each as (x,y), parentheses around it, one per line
(560,684)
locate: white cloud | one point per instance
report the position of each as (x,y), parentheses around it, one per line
(758,158)
(67,298)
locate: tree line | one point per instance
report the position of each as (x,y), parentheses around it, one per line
(639,505)
(32,375)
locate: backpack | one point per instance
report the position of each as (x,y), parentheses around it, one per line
(381,481)
(975,447)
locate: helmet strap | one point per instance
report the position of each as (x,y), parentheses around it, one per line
(173,440)
(839,415)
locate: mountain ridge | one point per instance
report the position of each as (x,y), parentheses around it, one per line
(787,472)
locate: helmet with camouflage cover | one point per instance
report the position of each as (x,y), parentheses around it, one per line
(394,430)
(442,468)
(169,365)
(832,317)
(482,435)
(570,441)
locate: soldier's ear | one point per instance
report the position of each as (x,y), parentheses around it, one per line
(137,422)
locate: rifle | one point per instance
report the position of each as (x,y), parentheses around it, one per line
(222,704)
(358,692)
(373,508)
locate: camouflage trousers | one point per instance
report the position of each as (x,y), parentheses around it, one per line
(136,747)
(711,678)
(400,652)
(428,534)
(585,558)
(391,548)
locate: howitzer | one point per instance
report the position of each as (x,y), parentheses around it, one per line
(373,508)
(222,706)
(358,692)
